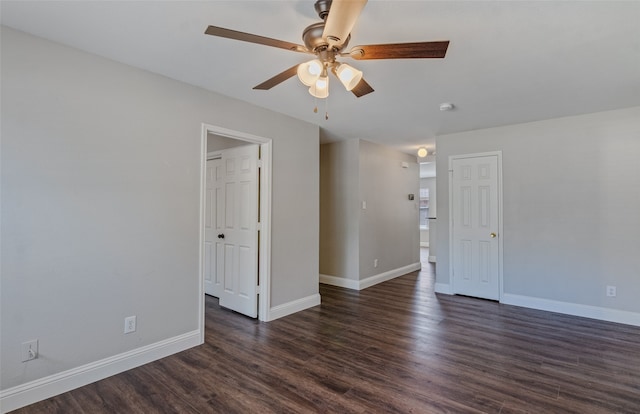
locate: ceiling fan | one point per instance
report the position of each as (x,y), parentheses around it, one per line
(327,40)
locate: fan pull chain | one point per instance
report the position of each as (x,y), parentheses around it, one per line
(326,109)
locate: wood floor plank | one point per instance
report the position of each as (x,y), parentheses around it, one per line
(396,347)
(61,404)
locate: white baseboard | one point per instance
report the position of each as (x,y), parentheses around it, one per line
(443,288)
(424,244)
(370,281)
(391,274)
(575,309)
(293,307)
(586,311)
(432,259)
(43,388)
(340,282)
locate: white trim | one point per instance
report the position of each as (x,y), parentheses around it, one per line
(424,244)
(293,307)
(203,192)
(391,274)
(43,388)
(497,154)
(450,195)
(215,155)
(444,288)
(264,299)
(339,281)
(432,259)
(264,265)
(575,309)
(567,308)
(371,280)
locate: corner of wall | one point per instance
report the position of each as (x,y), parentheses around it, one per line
(46,387)
(292,307)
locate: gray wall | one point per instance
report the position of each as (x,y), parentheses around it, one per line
(571,206)
(389,229)
(351,238)
(100,204)
(339,209)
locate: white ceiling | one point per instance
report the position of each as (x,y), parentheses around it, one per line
(508,61)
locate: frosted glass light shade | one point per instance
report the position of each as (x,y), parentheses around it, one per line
(320,89)
(349,76)
(310,71)
(422,152)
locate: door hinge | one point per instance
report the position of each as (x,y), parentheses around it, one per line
(259,226)
(259,163)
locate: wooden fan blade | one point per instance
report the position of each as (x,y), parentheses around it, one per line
(343,15)
(278,79)
(415,50)
(362,88)
(251,38)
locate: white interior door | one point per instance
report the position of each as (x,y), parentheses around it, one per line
(236,236)
(475,220)
(214,184)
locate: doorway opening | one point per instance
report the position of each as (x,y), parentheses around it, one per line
(216,141)
(427,206)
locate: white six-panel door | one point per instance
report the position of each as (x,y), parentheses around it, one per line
(475,221)
(212,283)
(237,227)
(231,229)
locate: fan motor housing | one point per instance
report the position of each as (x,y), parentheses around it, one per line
(313,40)
(312,37)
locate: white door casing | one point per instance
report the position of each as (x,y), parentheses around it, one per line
(476,225)
(264,259)
(237,230)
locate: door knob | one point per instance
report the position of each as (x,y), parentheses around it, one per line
(221,236)
(492,235)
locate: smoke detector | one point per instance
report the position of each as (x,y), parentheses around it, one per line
(446,106)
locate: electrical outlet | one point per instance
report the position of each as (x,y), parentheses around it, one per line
(29,350)
(129,324)
(611,291)
(375,262)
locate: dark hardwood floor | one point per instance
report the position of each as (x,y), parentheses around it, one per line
(393,348)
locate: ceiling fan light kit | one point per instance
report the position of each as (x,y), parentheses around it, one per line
(320,89)
(349,76)
(328,40)
(310,71)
